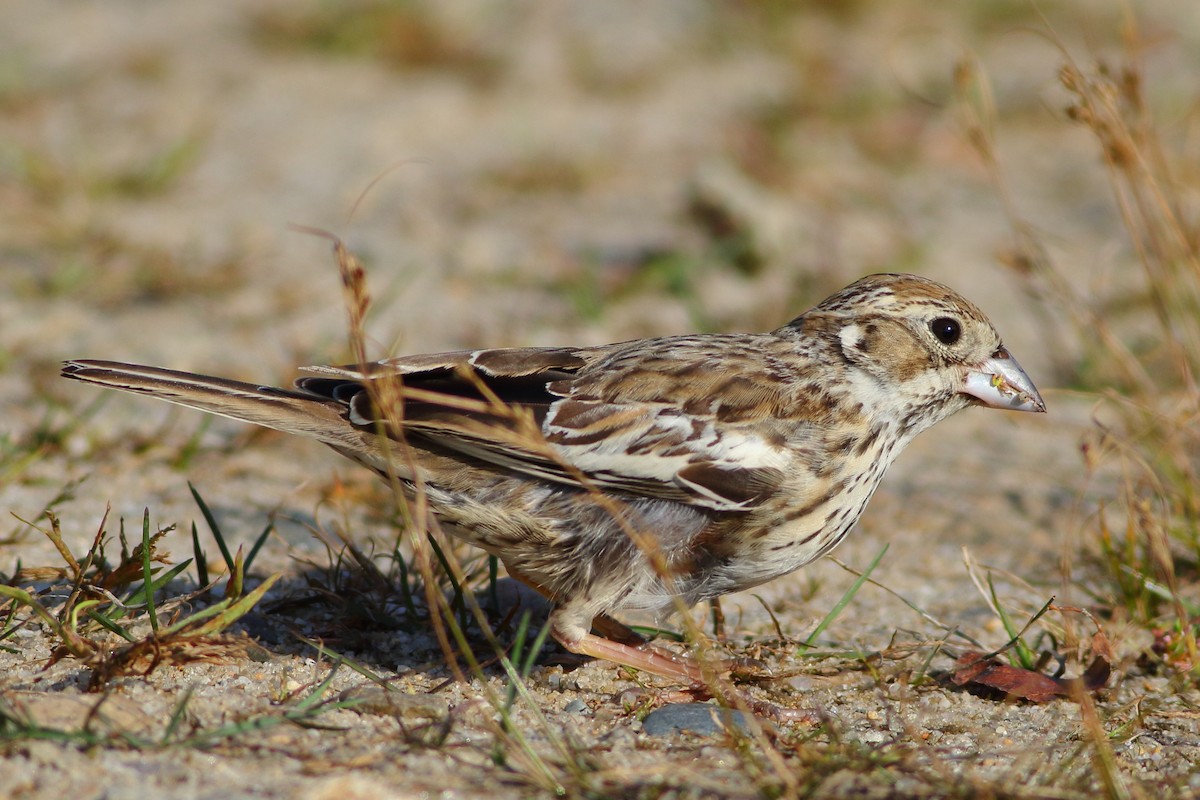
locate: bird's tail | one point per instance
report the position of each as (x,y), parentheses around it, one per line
(281,409)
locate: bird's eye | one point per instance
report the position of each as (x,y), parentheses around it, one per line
(947,330)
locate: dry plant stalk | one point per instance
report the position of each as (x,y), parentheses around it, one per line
(1162,497)
(1157,443)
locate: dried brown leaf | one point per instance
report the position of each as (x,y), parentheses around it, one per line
(977,670)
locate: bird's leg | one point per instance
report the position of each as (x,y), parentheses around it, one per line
(645,657)
(604,625)
(608,628)
(621,644)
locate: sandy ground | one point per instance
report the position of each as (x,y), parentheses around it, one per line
(530,174)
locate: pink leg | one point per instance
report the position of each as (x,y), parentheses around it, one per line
(645,657)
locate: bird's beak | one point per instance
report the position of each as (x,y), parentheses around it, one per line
(1000,382)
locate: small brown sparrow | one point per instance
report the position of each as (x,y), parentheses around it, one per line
(636,474)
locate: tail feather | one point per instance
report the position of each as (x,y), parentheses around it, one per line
(284,410)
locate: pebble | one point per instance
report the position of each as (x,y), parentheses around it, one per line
(576,706)
(701,719)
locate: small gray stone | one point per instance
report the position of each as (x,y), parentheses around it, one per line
(701,719)
(576,706)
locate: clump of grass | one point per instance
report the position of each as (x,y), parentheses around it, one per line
(1146,537)
(112,618)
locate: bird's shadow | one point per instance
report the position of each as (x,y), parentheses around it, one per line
(373,610)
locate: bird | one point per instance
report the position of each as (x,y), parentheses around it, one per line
(647,473)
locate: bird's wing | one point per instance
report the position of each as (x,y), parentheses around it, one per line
(689,419)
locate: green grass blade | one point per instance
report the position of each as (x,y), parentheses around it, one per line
(213,526)
(148,572)
(165,578)
(106,621)
(406,590)
(456,601)
(535,651)
(493,576)
(76,644)
(1023,657)
(846,599)
(258,543)
(201,560)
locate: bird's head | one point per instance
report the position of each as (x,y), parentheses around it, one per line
(921,345)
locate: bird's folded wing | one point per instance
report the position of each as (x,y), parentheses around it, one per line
(515,409)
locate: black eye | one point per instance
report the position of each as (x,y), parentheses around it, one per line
(947,330)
